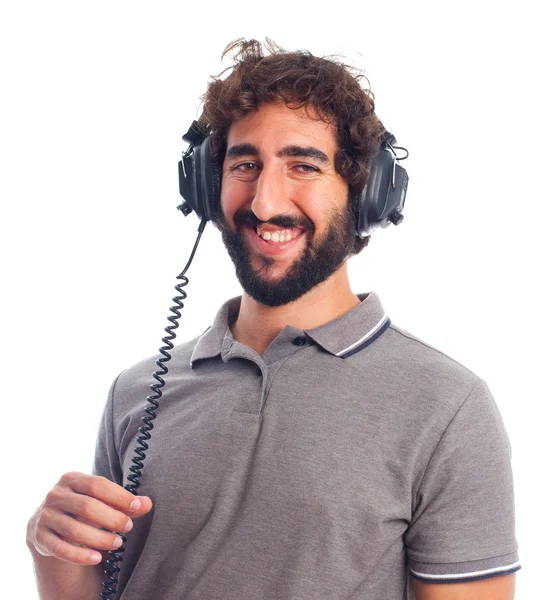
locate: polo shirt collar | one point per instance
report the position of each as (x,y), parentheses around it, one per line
(342,337)
(354,330)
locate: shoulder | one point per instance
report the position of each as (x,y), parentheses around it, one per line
(421,355)
(424,379)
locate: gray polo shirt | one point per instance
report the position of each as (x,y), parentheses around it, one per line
(343,461)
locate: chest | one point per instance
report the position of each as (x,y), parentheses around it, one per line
(262,450)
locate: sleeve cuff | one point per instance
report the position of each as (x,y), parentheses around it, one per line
(456,572)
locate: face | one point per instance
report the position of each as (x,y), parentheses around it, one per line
(286,220)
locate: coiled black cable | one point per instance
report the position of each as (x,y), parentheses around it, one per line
(110,584)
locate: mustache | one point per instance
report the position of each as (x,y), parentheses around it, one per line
(285,221)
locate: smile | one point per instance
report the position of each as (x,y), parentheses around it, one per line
(279,235)
(275,242)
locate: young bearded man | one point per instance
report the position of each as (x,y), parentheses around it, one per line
(306,447)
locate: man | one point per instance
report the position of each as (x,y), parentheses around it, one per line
(305,447)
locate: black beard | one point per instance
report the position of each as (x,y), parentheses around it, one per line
(317,262)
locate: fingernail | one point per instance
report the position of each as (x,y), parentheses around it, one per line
(129,526)
(135,504)
(95,557)
(117,542)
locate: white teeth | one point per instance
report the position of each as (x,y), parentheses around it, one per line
(275,236)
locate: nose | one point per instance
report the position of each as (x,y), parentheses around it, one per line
(271,195)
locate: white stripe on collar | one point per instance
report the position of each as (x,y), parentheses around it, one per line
(363,338)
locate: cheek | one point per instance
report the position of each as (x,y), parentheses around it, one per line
(229,200)
(322,205)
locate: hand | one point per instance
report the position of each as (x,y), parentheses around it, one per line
(68,524)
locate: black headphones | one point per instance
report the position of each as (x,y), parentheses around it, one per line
(380,202)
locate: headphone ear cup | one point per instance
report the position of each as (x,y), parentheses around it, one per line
(363,226)
(215,188)
(202,174)
(373,198)
(200,181)
(208,173)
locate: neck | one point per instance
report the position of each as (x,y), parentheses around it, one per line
(257,324)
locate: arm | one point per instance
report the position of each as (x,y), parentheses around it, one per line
(493,588)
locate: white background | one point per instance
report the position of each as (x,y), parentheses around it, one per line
(95,97)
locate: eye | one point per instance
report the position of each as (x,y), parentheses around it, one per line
(305,168)
(245,171)
(246,167)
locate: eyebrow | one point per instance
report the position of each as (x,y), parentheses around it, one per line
(306,151)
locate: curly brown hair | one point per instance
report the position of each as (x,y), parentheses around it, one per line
(328,90)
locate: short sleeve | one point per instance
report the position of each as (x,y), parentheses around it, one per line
(106,457)
(463,525)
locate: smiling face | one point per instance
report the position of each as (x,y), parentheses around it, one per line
(286,220)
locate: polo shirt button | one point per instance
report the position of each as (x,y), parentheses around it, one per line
(300,341)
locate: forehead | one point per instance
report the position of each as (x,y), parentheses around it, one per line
(274,125)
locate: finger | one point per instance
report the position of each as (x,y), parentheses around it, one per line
(88,536)
(145,505)
(106,491)
(84,520)
(87,509)
(50,544)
